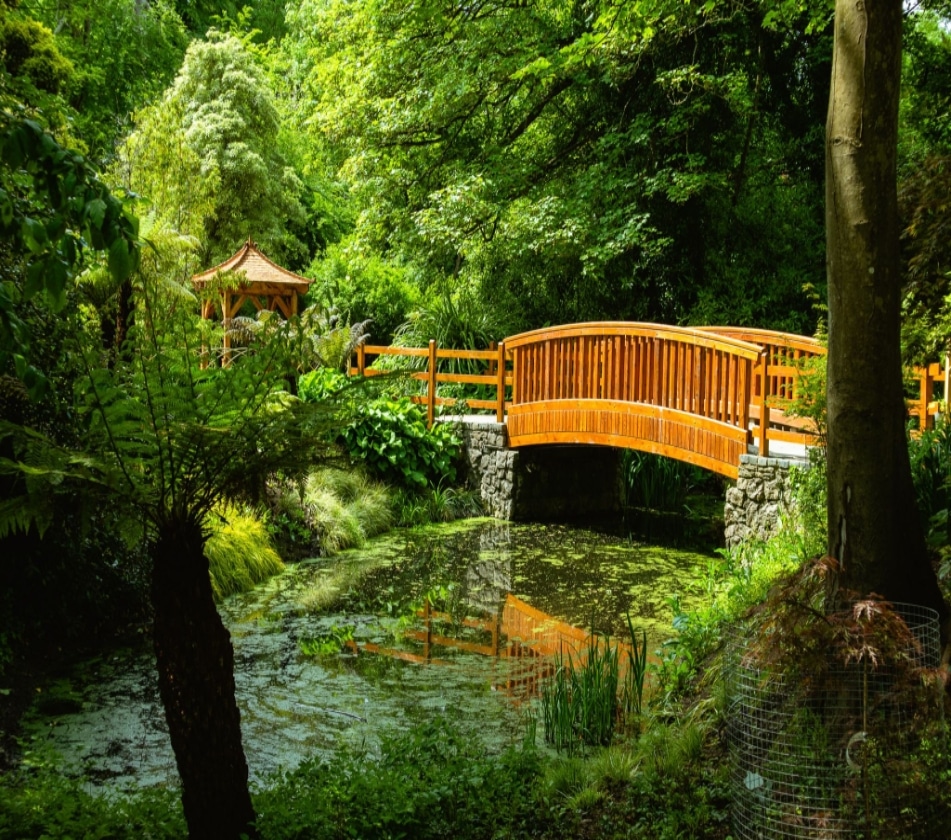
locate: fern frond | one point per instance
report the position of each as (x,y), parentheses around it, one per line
(20,513)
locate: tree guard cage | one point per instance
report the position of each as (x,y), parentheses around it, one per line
(265,285)
(836,754)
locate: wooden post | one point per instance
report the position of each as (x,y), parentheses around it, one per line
(947,381)
(924,396)
(226,324)
(764,404)
(431,378)
(500,384)
(361,360)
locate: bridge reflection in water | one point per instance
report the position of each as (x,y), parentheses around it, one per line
(518,632)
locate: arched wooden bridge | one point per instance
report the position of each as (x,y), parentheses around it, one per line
(700,395)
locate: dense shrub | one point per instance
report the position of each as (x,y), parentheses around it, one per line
(331,510)
(428,782)
(363,287)
(390,436)
(46,804)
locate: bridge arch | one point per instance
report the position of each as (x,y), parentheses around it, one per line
(674,391)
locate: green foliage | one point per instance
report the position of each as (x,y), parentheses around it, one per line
(632,684)
(164,437)
(734,582)
(427,782)
(321,384)
(108,41)
(810,399)
(456,318)
(330,511)
(326,644)
(435,504)
(809,514)
(570,165)
(363,287)
(31,57)
(206,156)
(54,210)
(930,455)
(239,552)
(390,437)
(658,483)
(44,803)
(580,704)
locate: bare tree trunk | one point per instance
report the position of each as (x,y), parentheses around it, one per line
(874,527)
(196,680)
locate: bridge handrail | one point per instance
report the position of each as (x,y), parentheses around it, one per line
(688,335)
(770,338)
(496,375)
(785,354)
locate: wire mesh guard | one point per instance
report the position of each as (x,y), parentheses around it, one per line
(832,754)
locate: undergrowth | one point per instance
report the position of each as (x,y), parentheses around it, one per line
(330,511)
(239,552)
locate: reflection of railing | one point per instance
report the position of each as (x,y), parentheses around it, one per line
(518,632)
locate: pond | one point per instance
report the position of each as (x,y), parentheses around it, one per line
(454,620)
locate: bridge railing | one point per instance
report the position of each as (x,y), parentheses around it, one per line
(743,377)
(669,390)
(778,384)
(786,362)
(493,361)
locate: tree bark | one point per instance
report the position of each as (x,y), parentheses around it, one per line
(196,679)
(875,531)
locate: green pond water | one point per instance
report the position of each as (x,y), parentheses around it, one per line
(456,620)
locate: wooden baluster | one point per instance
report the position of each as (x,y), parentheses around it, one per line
(745,395)
(431,381)
(226,325)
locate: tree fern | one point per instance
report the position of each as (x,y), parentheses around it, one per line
(167,439)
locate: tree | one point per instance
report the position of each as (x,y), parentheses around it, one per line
(164,440)
(141,44)
(54,208)
(578,160)
(875,532)
(207,159)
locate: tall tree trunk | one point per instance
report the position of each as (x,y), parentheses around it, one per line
(874,527)
(196,680)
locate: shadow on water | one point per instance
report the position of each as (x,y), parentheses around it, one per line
(458,620)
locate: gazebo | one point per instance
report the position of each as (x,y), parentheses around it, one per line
(265,285)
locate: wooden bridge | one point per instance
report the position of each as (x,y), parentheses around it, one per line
(700,395)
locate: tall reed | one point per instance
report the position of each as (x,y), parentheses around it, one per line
(632,690)
(580,701)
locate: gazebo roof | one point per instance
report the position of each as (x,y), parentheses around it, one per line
(263,276)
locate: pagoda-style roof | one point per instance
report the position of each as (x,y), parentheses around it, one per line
(266,286)
(263,276)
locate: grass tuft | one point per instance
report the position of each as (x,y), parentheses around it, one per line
(239,552)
